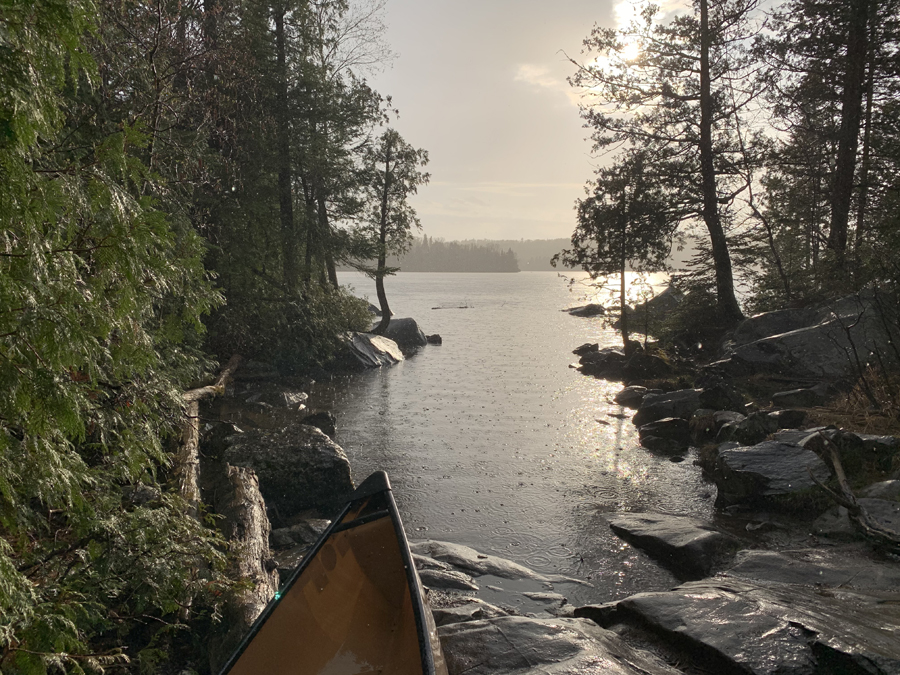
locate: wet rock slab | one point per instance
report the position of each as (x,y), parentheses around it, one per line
(298,467)
(589,310)
(755,628)
(681,403)
(365,350)
(478,564)
(515,645)
(631,397)
(833,568)
(673,432)
(473,610)
(766,470)
(447,580)
(406,333)
(689,547)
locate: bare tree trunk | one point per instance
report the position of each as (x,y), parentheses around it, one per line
(851,113)
(285,193)
(310,232)
(864,166)
(186,466)
(623,307)
(728,308)
(325,239)
(234,493)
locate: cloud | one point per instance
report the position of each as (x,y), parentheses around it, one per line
(542,77)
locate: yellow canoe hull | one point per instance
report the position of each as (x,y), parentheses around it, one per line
(354,606)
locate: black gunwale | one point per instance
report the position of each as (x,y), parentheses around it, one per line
(374,484)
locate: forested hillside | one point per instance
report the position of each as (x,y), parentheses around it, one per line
(533,254)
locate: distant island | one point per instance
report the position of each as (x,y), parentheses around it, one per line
(436,255)
(533,255)
(432,254)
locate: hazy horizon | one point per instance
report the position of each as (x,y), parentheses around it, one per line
(482,87)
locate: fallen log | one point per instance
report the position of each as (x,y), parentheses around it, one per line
(186,466)
(233,493)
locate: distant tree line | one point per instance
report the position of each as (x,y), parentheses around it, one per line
(533,254)
(436,255)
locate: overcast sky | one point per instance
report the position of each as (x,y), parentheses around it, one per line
(481,85)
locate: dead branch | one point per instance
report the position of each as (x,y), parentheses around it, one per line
(187,459)
(219,387)
(861,520)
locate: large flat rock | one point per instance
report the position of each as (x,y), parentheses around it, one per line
(365,350)
(517,645)
(681,403)
(766,470)
(471,561)
(689,547)
(819,342)
(769,629)
(298,467)
(832,568)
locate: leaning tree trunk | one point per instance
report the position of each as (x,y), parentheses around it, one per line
(186,468)
(186,464)
(233,493)
(726,301)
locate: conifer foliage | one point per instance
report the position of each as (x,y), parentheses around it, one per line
(773,126)
(143,150)
(97,294)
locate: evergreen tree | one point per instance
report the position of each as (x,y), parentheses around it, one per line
(833,81)
(392,167)
(99,292)
(676,89)
(625,224)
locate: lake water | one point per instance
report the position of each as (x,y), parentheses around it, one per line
(492,441)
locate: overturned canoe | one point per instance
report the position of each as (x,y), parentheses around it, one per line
(354,606)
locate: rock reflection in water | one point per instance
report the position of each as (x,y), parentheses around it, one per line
(492,441)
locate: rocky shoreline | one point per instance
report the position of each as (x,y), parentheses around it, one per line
(782,582)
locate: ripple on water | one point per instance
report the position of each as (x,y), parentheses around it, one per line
(492,441)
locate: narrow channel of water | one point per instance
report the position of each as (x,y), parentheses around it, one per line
(492,441)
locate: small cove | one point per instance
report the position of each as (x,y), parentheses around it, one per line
(492,441)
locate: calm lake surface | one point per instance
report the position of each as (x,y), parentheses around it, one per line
(492,441)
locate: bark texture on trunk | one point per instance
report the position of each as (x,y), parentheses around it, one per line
(382,248)
(285,191)
(234,494)
(186,465)
(851,116)
(729,310)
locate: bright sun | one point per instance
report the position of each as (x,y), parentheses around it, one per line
(631,51)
